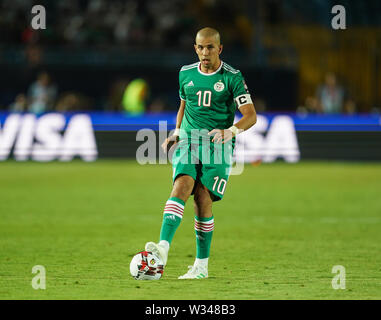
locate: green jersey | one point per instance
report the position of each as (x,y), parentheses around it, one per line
(211,98)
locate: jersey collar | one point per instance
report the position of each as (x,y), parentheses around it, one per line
(209,74)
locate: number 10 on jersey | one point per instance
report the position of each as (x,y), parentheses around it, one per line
(221,185)
(205,97)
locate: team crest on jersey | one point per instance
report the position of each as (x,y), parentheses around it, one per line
(219,86)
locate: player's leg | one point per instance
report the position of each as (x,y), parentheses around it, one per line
(182,187)
(184,176)
(213,180)
(172,216)
(174,208)
(204,223)
(204,226)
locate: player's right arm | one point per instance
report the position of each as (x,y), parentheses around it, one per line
(174,138)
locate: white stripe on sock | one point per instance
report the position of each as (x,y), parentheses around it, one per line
(204,226)
(175,203)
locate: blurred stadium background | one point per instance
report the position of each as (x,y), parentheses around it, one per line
(123,57)
(102,70)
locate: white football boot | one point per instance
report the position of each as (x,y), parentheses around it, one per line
(196,272)
(158,250)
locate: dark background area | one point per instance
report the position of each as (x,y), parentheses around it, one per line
(284,49)
(96,83)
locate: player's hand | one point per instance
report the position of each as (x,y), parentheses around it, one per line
(221,136)
(169,142)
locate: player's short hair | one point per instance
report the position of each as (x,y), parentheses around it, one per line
(208,32)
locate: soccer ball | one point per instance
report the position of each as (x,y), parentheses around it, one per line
(146,266)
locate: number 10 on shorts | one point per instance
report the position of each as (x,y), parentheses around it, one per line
(220,184)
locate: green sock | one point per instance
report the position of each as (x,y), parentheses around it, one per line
(204,231)
(173,213)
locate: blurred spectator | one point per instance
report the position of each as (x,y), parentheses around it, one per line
(228,17)
(20,104)
(311,105)
(157,105)
(33,55)
(350,106)
(330,95)
(376,110)
(124,22)
(134,97)
(41,94)
(93,32)
(116,92)
(72,101)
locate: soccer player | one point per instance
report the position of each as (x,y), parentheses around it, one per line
(210,93)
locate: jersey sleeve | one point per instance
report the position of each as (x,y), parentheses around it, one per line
(181,88)
(241,94)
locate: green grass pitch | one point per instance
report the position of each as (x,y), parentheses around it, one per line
(278,232)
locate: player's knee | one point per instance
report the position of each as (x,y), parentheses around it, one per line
(183,187)
(202,198)
(184,182)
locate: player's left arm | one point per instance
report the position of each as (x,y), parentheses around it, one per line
(249,118)
(245,105)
